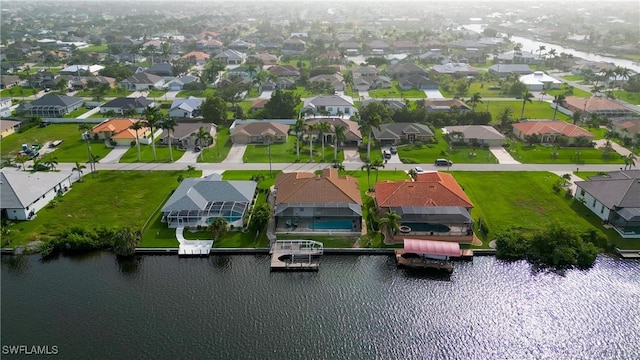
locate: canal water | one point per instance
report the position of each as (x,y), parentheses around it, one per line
(355,307)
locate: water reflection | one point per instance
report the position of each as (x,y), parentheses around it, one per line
(129,265)
(15,264)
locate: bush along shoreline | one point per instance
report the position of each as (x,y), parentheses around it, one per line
(76,240)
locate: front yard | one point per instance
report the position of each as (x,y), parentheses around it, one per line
(539,154)
(534,110)
(219,150)
(286,152)
(396,92)
(146,154)
(428,153)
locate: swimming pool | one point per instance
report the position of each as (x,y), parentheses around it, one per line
(428,227)
(229,219)
(331,225)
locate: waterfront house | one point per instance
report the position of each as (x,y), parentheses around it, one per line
(120,132)
(596,105)
(434,206)
(538,81)
(51,105)
(259,132)
(502,70)
(615,199)
(185,134)
(198,201)
(23,193)
(475,135)
(327,203)
(397,133)
(549,131)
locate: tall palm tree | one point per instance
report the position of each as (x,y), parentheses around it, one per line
(298,127)
(323,128)
(169,124)
(558,99)
(376,165)
(51,162)
(152,120)
(366,126)
(368,166)
(629,161)
(624,74)
(79,167)
(137,126)
(526,98)
(203,137)
(310,129)
(218,227)
(541,48)
(391,220)
(339,137)
(475,99)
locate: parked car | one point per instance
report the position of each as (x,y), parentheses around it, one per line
(393,150)
(418,170)
(386,154)
(197,148)
(443,162)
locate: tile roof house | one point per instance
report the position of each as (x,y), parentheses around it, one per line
(51,105)
(198,201)
(615,199)
(549,130)
(260,132)
(626,126)
(284,70)
(434,207)
(123,104)
(597,105)
(396,133)
(119,130)
(305,202)
(9,81)
(264,58)
(185,134)
(142,81)
(538,81)
(185,108)
(353,136)
(333,104)
(445,105)
(335,80)
(231,57)
(477,135)
(162,69)
(23,194)
(331,57)
(378,47)
(197,57)
(293,46)
(365,72)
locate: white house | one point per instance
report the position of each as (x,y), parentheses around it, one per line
(333,105)
(23,193)
(186,108)
(539,81)
(5,107)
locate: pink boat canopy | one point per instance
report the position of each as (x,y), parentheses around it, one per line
(431,247)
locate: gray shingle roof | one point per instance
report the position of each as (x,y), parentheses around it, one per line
(477,132)
(57,100)
(194,194)
(617,190)
(396,130)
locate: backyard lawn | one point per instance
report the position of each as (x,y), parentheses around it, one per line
(94,48)
(538,154)
(110,199)
(146,154)
(396,92)
(219,151)
(286,152)
(565,88)
(534,110)
(72,148)
(75,113)
(428,153)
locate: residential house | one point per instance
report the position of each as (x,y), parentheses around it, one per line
(538,81)
(5,108)
(334,80)
(615,199)
(186,108)
(519,57)
(8,127)
(475,135)
(243,71)
(333,105)
(381,82)
(9,81)
(502,70)
(185,134)
(595,67)
(142,81)
(84,70)
(389,104)
(419,82)
(402,70)
(278,84)
(365,72)
(446,105)
(23,193)
(121,105)
(259,103)
(263,58)
(51,105)
(240,46)
(626,126)
(180,83)
(198,201)
(455,69)
(350,48)
(398,133)
(210,45)
(294,46)
(549,130)
(259,132)
(433,207)
(87,82)
(305,202)
(597,105)
(353,136)
(119,131)
(230,57)
(378,47)
(360,84)
(406,46)
(127,57)
(164,70)
(331,57)
(196,57)
(288,71)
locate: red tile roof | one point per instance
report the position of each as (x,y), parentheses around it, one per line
(119,128)
(198,55)
(594,103)
(551,127)
(304,187)
(429,189)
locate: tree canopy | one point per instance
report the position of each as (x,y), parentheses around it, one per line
(214,110)
(282,105)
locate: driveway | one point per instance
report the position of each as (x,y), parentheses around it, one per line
(114,155)
(265,95)
(395,158)
(89,113)
(189,157)
(235,154)
(351,155)
(615,146)
(433,94)
(502,155)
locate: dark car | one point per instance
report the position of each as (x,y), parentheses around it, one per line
(443,162)
(197,148)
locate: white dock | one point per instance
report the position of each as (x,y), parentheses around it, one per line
(192,247)
(295,255)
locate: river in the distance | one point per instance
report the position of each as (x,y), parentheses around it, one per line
(355,307)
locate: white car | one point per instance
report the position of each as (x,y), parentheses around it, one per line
(418,169)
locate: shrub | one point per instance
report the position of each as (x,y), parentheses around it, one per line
(512,245)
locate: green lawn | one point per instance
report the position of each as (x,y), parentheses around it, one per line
(18,92)
(302,92)
(428,153)
(396,92)
(146,154)
(534,110)
(573,77)
(110,199)
(483,89)
(74,114)
(630,97)
(219,151)
(376,153)
(327,241)
(95,48)
(72,149)
(286,152)
(112,92)
(196,93)
(538,154)
(565,91)
(519,200)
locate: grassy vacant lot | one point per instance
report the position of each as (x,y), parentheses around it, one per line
(157,234)
(535,110)
(197,93)
(72,148)
(630,97)
(146,154)
(483,89)
(286,152)
(95,48)
(565,88)
(219,151)
(112,92)
(538,154)
(110,199)
(428,153)
(396,92)
(573,77)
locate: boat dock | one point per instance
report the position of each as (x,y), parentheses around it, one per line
(629,254)
(422,262)
(295,255)
(192,248)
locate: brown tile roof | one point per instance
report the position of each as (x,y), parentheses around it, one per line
(259,103)
(119,128)
(352,126)
(303,187)
(199,55)
(429,189)
(446,102)
(260,128)
(551,127)
(594,103)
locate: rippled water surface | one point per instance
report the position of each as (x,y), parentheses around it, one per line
(232,307)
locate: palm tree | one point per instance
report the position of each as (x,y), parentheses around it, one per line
(413,174)
(152,120)
(169,124)
(506,117)
(629,161)
(376,165)
(366,126)
(125,241)
(22,160)
(368,166)
(51,162)
(79,167)
(339,137)
(203,137)
(624,74)
(541,48)
(137,126)
(310,129)
(391,221)
(323,128)
(558,99)
(475,99)
(298,127)
(526,98)
(218,227)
